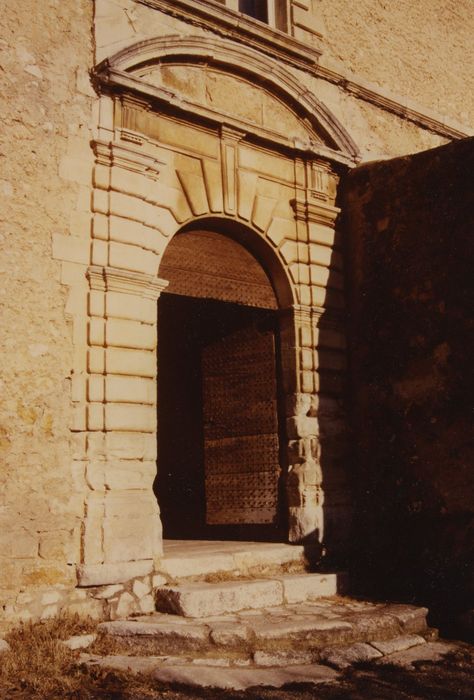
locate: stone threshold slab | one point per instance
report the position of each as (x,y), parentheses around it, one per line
(195,558)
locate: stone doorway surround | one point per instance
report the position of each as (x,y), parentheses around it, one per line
(166,159)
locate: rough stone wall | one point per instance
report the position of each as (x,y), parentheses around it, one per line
(419,50)
(409,225)
(378,132)
(45,108)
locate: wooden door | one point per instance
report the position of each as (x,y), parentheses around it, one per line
(241,451)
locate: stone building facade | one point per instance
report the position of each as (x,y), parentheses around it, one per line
(163,158)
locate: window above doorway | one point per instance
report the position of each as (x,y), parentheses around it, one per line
(271,12)
(271,26)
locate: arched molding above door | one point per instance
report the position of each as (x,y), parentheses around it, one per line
(142,68)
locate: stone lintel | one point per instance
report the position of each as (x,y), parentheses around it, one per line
(137,283)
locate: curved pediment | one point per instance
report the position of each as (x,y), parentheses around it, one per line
(230,83)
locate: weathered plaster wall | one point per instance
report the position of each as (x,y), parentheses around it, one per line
(409,224)
(45,111)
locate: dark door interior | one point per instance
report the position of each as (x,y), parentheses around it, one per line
(218,444)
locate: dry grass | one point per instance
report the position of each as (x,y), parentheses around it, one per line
(38,667)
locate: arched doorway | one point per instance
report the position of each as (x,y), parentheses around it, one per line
(220,456)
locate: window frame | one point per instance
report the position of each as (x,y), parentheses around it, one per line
(218,17)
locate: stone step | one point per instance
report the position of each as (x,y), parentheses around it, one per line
(306,627)
(200,558)
(203,599)
(277,668)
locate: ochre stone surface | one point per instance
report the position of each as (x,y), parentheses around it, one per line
(95,182)
(46,110)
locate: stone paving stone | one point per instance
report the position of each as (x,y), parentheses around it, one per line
(390,646)
(214,672)
(298,629)
(243,678)
(226,635)
(282,658)
(204,599)
(343,657)
(431,651)
(158,630)
(80,641)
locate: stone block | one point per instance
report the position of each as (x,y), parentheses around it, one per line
(321,255)
(138,363)
(126,445)
(300,588)
(318,233)
(130,334)
(116,572)
(132,257)
(80,641)
(343,657)
(213,181)
(391,646)
(247,186)
(120,388)
(412,619)
(203,599)
(281,229)
(302,426)
(141,588)
(126,475)
(100,253)
(131,183)
(130,417)
(129,306)
(226,634)
(282,658)
(262,212)
(303,628)
(158,628)
(431,651)
(127,206)
(108,591)
(147,604)
(125,605)
(181,567)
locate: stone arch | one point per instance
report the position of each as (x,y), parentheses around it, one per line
(256,243)
(324,131)
(269,298)
(162,164)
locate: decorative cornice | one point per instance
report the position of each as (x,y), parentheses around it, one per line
(402,107)
(229,133)
(298,54)
(241,28)
(315,212)
(111,279)
(114,154)
(330,140)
